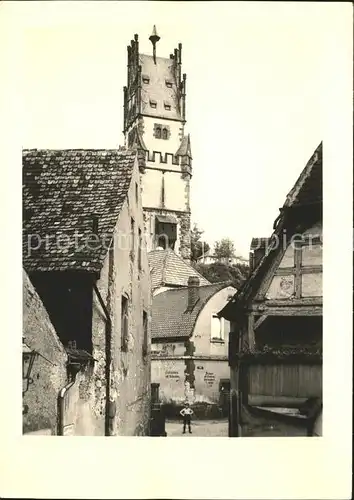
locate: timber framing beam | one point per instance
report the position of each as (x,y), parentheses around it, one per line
(250,330)
(259,321)
(298,277)
(289,311)
(310,301)
(195,358)
(286,271)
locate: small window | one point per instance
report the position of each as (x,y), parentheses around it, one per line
(153,104)
(146,79)
(140,249)
(145,333)
(167,106)
(217,328)
(164,133)
(136,192)
(158,132)
(124,324)
(168,84)
(132,235)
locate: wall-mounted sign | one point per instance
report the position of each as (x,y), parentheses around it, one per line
(172,374)
(209,378)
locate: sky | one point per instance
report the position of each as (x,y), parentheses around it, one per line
(255,81)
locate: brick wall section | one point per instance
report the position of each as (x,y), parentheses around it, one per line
(185,237)
(40,401)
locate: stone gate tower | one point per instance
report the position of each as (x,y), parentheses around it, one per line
(154,121)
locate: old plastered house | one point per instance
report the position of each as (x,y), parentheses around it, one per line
(190,344)
(154,124)
(276,317)
(84,254)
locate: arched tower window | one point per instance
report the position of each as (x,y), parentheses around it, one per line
(164,133)
(158,132)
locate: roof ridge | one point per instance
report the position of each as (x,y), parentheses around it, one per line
(179,288)
(88,150)
(305,173)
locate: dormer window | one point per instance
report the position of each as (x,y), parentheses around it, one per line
(146,79)
(153,104)
(168,84)
(167,106)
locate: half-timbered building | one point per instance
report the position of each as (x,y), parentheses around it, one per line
(275,348)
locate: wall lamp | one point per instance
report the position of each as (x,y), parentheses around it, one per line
(28,357)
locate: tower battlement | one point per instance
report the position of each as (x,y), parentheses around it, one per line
(168,160)
(154,123)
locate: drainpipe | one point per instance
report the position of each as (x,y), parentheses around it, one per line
(108,339)
(73,369)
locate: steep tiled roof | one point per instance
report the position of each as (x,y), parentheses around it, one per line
(157,90)
(170,315)
(168,269)
(306,191)
(64,193)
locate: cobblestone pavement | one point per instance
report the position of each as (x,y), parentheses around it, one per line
(200,428)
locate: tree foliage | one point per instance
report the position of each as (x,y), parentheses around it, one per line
(224,249)
(218,271)
(197,244)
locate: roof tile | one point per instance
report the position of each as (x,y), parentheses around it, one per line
(168,269)
(170,315)
(62,191)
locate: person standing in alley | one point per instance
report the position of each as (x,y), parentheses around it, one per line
(186,413)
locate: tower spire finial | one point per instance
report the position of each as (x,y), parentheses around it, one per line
(154,38)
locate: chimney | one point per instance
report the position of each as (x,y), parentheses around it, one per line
(193,291)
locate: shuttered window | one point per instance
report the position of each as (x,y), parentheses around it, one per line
(124,324)
(145,333)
